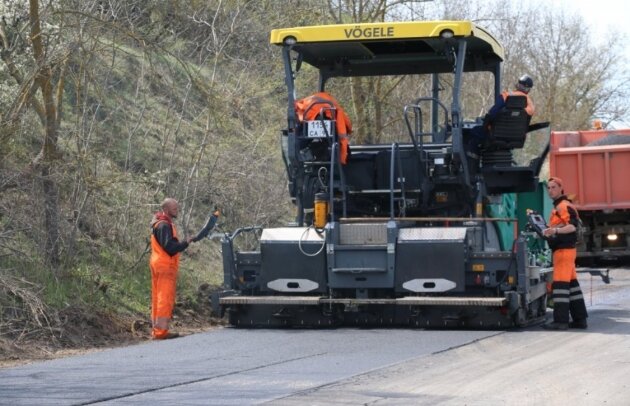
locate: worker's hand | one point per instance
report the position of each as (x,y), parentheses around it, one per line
(548,232)
(216,213)
(189,240)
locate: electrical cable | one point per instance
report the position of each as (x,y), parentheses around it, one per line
(302,238)
(320,177)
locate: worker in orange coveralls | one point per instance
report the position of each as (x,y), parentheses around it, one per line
(164,263)
(562,237)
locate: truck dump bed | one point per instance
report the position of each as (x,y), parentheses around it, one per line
(596,175)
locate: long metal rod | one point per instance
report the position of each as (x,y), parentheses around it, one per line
(289,81)
(331,188)
(401,182)
(424,219)
(391,180)
(435,94)
(403,301)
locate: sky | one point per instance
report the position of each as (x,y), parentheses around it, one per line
(602,16)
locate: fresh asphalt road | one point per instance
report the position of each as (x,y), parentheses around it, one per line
(353,366)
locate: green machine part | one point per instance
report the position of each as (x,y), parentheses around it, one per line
(514,206)
(538,201)
(505,209)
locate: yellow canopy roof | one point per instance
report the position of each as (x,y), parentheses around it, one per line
(396,48)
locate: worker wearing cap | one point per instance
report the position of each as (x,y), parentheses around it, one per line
(479,133)
(522,88)
(164,263)
(562,237)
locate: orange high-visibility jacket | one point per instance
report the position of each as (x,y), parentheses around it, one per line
(160,259)
(529,109)
(563,213)
(309,108)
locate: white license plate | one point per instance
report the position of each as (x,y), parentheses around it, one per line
(319,129)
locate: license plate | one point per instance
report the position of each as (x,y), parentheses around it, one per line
(319,129)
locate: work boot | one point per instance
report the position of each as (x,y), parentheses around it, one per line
(581,324)
(556,326)
(167,336)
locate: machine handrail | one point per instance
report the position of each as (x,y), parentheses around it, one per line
(439,103)
(412,135)
(414,139)
(240,230)
(395,156)
(335,161)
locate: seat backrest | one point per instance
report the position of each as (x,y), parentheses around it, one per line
(509,127)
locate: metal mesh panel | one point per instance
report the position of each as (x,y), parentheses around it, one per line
(432,234)
(363,234)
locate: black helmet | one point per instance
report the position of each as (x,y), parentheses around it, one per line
(525,84)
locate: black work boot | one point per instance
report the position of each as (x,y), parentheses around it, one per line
(560,313)
(556,326)
(581,324)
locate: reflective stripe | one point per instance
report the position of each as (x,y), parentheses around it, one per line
(561,292)
(575,289)
(576,297)
(561,300)
(161,323)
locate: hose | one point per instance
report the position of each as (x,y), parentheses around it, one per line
(320,177)
(302,238)
(212,221)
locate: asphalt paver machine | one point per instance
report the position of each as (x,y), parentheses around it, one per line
(414,232)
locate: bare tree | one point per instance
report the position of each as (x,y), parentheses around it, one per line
(39,78)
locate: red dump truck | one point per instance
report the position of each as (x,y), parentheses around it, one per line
(595,168)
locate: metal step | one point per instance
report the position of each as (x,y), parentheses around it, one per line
(403,301)
(359,270)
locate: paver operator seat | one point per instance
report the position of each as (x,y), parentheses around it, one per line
(509,128)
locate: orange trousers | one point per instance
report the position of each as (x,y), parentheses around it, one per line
(163,288)
(567,294)
(564,265)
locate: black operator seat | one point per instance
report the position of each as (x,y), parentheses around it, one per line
(509,127)
(507,132)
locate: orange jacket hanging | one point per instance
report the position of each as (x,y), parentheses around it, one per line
(309,108)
